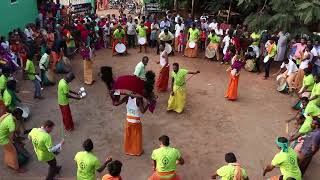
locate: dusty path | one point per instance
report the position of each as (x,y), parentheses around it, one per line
(209,127)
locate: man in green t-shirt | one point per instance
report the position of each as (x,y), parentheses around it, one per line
(232,170)
(177,99)
(10,98)
(165,159)
(4,80)
(8,126)
(119,36)
(88,163)
(30,70)
(286,160)
(43,147)
(64,93)
(142,34)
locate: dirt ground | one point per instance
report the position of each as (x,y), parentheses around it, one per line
(209,127)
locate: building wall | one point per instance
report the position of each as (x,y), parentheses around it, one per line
(14,15)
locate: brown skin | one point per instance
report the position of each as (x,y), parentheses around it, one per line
(68,80)
(176,69)
(269,167)
(143,107)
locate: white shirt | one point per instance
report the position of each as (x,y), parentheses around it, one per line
(291,67)
(5,45)
(178,28)
(256,50)
(131,28)
(213,25)
(163,61)
(44,62)
(28,33)
(304,64)
(226,41)
(219,32)
(164,25)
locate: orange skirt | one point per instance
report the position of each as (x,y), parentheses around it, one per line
(232,91)
(298,80)
(11,156)
(87,72)
(155,176)
(192,53)
(176,44)
(133,139)
(163,79)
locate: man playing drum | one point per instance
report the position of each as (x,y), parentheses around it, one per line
(118,35)
(213,45)
(165,37)
(142,36)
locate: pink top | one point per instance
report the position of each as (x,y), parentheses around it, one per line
(299,51)
(181,38)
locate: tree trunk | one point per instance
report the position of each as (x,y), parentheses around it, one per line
(229,11)
(192,8)
(175,5)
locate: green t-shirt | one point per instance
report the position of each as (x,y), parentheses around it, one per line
(214,38)
(306,126)
(142,31)
(87,164)
(3,82)
(8,101)
(308,81)
(63,90)
(256,38)
(30,69)
(227,172)
(42,142)
(179,77)
(118,34)
(7,126)
(312,110)
(316,92)
(194,34)
(166,158)
(288,163)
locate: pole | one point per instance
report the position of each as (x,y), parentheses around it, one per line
(192,9)
(175,5)
(229,11)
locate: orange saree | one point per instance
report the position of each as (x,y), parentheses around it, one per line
(232,91)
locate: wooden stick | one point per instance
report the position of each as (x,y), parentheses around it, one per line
(287,127)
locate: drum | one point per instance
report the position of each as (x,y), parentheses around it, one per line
(250,65)
(282,85)
(266,59)
(25,109)
(142,40)
(210,52)
(120,48)
(168,48)
(192,44)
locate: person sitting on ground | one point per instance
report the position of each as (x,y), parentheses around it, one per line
(88,163)
(232,170)
(310,146)
(303,105)
(307,84)
(286,159)
(114,168)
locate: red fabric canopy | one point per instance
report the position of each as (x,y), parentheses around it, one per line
(129,82)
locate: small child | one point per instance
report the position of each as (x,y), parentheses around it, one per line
(227,57)
(106,35)
(203,36)
(181,39)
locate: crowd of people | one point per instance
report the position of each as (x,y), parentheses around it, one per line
(57,36)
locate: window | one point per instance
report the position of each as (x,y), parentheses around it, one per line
(13,1)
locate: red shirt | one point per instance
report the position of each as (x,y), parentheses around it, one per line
(203,36)
(148,24)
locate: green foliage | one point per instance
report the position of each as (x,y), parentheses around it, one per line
(287,15)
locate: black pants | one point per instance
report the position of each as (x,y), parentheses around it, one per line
(163,43)
(267,66)
(303,165)
(258,64)
(53,169)
(131,41)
